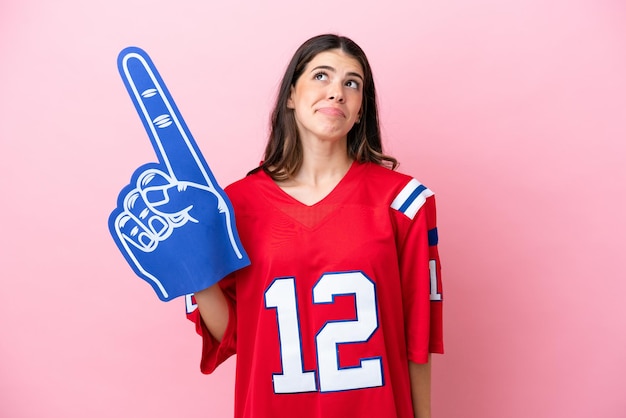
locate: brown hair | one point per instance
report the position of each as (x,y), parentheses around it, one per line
(283,153)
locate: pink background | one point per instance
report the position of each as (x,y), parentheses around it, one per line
(514,112)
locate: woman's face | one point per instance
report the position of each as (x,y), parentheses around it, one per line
(327,97)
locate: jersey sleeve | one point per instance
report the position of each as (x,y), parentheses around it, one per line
(215,352)
(436,290)
(420,274)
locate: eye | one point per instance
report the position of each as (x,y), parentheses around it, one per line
(322,76)
(353,84)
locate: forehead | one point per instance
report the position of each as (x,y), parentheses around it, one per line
(337,59)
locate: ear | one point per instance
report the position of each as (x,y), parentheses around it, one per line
(290,104)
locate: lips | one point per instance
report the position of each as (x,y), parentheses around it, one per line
(331,111)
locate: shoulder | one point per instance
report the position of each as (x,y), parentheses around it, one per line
(245,188)
(412,197)
(382,176)
(403,192)
(245,183)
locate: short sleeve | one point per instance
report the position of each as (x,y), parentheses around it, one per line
(420,275)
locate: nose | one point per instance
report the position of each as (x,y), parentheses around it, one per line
(335,92)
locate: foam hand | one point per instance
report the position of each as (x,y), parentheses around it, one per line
(173,223)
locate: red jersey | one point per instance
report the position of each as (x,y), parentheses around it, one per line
(339,296)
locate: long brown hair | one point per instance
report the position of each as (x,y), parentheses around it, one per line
(283,153)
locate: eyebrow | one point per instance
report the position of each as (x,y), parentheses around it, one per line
(328,67)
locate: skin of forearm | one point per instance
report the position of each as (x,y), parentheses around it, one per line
(420,375)
(213,310)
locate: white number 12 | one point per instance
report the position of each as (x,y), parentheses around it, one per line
(281,295)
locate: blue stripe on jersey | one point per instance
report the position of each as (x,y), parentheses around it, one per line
(411,198)
(433,237)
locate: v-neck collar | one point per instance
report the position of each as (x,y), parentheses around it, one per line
(312,216)
(333,196)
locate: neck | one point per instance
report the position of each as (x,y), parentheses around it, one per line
(323,162)
(323,167)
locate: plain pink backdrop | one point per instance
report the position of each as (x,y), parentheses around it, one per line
(513,112)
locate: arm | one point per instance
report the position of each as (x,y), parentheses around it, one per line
(420,388)
(213,310)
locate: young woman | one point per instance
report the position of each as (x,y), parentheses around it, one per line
(341,306)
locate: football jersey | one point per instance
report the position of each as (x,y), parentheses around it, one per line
(339,296)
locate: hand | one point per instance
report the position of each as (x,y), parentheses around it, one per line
(173,223)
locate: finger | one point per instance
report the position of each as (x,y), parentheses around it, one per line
(154,185)
(130,237)
(168,197)
(170,137)
(159,192)
(144,226)
(135,233)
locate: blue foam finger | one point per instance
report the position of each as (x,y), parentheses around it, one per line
(173,223)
